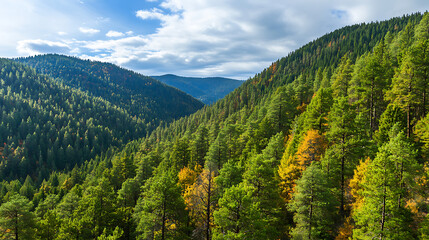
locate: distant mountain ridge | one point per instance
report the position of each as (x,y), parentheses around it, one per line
(139,95)
(208,90)
(58,112)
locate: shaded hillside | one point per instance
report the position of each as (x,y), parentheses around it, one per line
(139,95)
(208,90)
(46,125)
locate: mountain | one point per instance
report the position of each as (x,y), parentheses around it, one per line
(46,125)
(329,142)
(76,110)
(208,90)
(141,96)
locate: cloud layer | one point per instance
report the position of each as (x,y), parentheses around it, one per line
(215,38)
(88,30)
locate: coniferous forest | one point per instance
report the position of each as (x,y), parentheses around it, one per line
(329,142)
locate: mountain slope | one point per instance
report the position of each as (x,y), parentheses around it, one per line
(139,95)
(46,125)
(208,90)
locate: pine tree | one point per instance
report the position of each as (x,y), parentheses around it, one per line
(314,205)
(160,211)
(200,146)
(420,60)
(16,219)
(404,90)
(261,181)
(422,134)
(282,108)
(371,77)
(239,217)
(181,153)
(342,76)
(391,116)
(347,139)
(95,210)
(217,154)
(317,111)
(123,168)
(383,214)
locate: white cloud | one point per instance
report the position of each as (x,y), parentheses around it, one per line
(39,46)
(34,20)
(61,33)
(196,38)
(88,30)
(154,13)
(114,34)
(211,37)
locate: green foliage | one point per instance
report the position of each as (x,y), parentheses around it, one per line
(141,96)
(388,179)
(47,125)
(316,116)
(314,205)
(286,137)
(160,212)
(16,219)
(116,235)
(239,217)
(391,116)
(342,76)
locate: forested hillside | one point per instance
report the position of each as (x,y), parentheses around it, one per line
(330,142)
(208,90)
(141,96)
(47,124)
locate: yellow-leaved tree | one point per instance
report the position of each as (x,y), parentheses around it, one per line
(200,201)
(291,167)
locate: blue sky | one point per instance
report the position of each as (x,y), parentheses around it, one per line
(230,38)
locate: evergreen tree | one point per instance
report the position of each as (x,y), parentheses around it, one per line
(317,111)
(160,211)
(369,82)
(389,176)
(314,205)
(404,92)
(261,181)
(181,153)
(342,76)
(239,217)
(16,219)
(346,138)
(420,60)
(200,146)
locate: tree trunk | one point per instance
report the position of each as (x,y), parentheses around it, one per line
(163,220)
(371,109)
(400,183)
(408,121)
(310,215)
(342,186)
(16,225)
(208,206)
(383,211)
(409,111)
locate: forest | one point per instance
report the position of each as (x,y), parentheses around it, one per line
(329,142)
(49,124)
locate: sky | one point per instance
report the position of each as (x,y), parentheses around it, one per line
(199,38)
